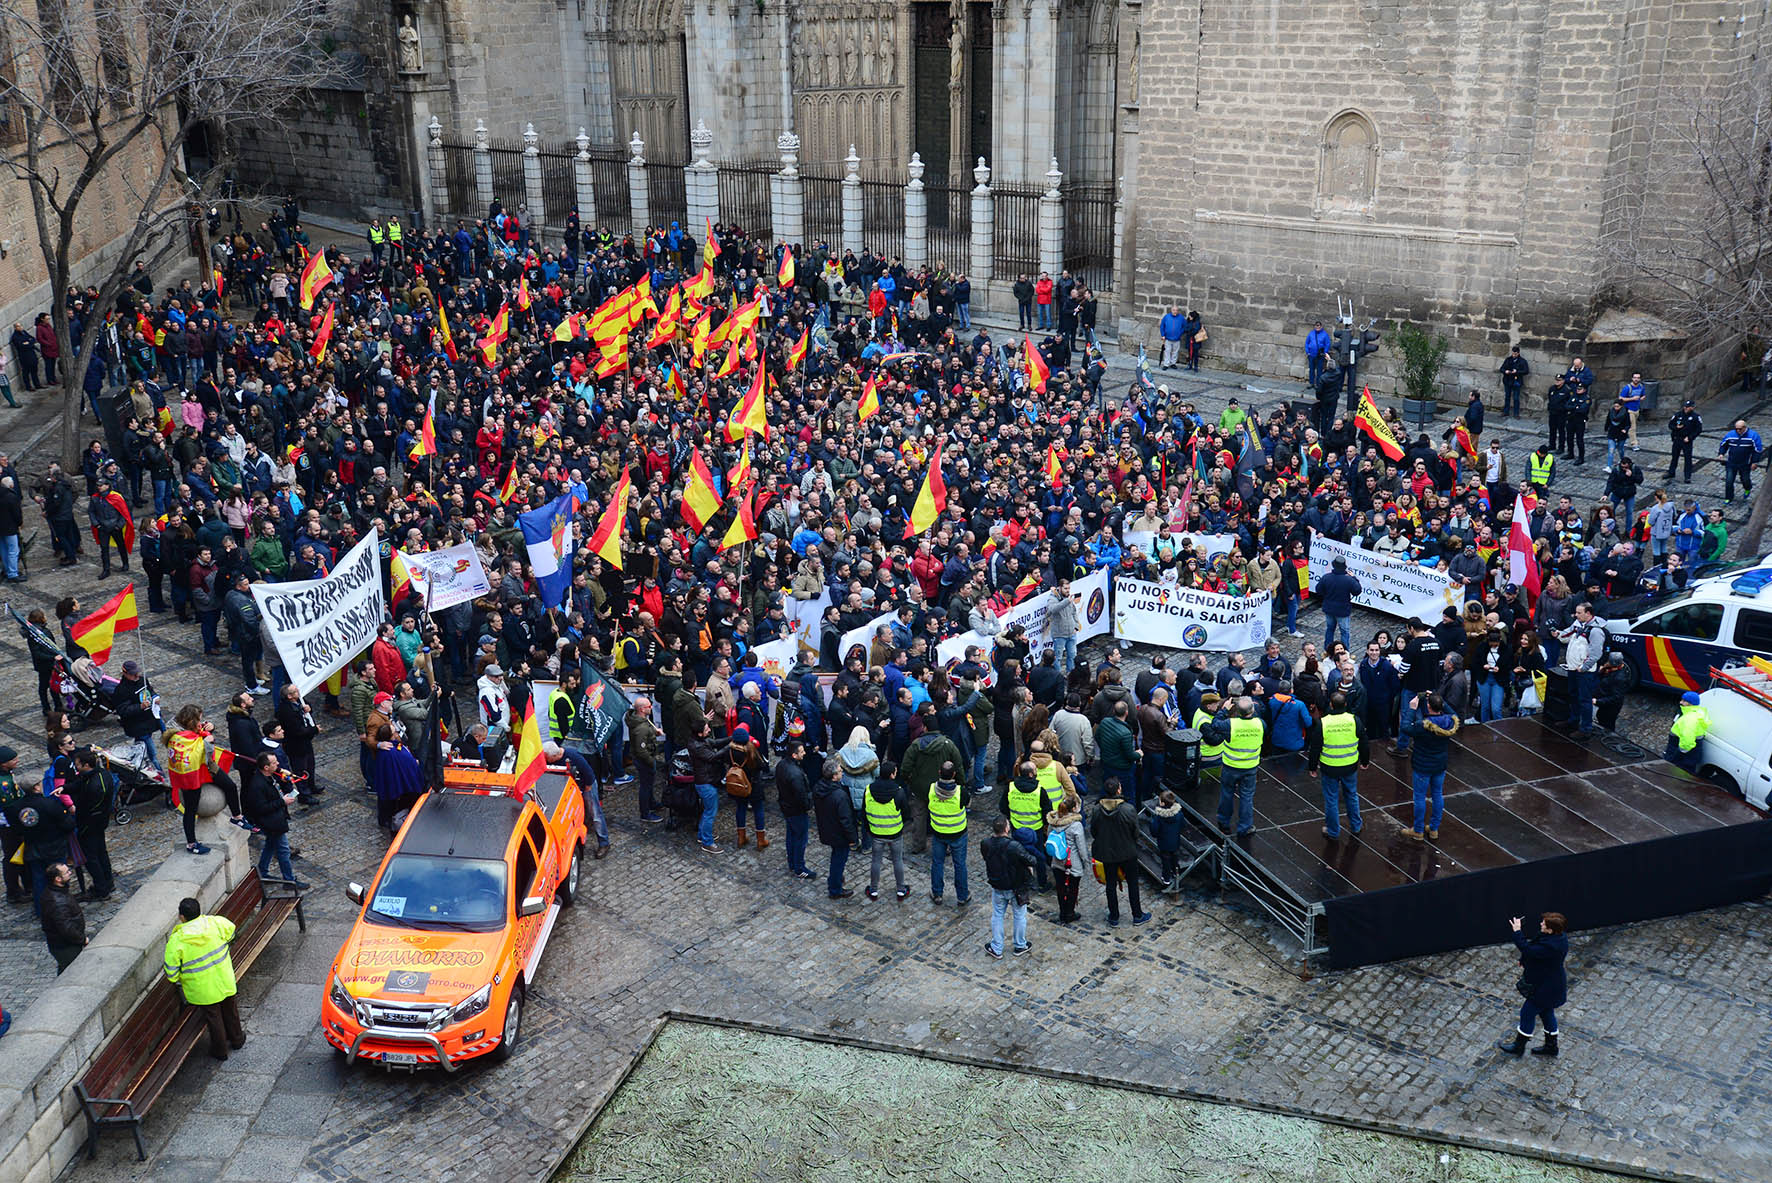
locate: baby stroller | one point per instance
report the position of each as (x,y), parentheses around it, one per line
(137,781)
(84,690)
(680,796)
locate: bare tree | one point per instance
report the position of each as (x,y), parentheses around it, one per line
(110,94)
(1698,244)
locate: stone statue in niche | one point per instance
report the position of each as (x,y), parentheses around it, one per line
(833,59)
(1132,72)
(1349,164)
(867,58)
(412,58)
(802,72)
(889,56)
(956,57)
(851,59)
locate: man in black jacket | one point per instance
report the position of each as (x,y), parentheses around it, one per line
(794,794)
(836,826)
(133,700)
(266,802)
(1006,866)
(1420,673)
(42,825)
(64,924)
(1113,830)
(92,788)
(299,731)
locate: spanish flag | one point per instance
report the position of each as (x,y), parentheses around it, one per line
(740,473)
(613,362)
(674,383)
(97,632)
(797,351)
(784,275)
(607,539)
(1461,435)
(710,250)
(1369,420)
(702,286)
(523,292)
(745,317)
(448,337)
(700,499)
(146,328)
(531,760)
(1038,370)
(426,444)
(499,331)
(699,335)
(400,577)
(665,329)
(644,304)
(870,401)
(121,505)
(730,362)
(508,489)
(932,498)
(163,419)
(315,276)
(744,524)
(750,413)
(1054,469)
(567,328)
(317,350)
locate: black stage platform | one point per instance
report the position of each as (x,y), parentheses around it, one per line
(1604,832)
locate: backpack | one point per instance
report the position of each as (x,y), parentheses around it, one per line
(738,782)
(1057,849)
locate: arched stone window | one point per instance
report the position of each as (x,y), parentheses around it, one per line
(1347,177)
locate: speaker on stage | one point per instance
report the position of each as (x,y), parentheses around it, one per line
(1558,706)
(1182,770)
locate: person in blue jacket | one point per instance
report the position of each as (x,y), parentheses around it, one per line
(1288,719)
(1316,352)
(1542,984)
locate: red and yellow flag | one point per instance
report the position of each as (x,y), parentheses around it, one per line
(315,276)
(499,331)
(699,335)
(744,524)
(531,760)
(932,498)
(674,383)
(740,474)
(710,250)
(426,443)
(400,577)
(523,292)
(1369,420)
(567,329)
(121,504)
(508,489)
(448,337)
(784,275)
(1038,370)
(317,350)
(97,632)
(1461,435)
(797,351)
(744,318)
(730,363)
(1054,469)
(701,501)
(606,541)
(666,328)
(613,361)
(701,286)
(870,401)
(215,274)
(750,414)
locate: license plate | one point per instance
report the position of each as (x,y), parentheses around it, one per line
(400,1058)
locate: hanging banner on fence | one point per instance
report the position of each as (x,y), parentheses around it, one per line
(318,625)
(1212,545)
(1186,618)
(1399,587)
(443,578)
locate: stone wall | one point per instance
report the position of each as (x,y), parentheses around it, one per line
(340,152)
(42,1128)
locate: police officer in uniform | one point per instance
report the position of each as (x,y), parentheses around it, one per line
(197,962)
(396,244)
(1556,402)
(1682,738)
(1337,746)
(1683,428)
(378,241)
(1241,734)
(1575,426)
(1543,465)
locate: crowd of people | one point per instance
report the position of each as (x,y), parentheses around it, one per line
(447,380)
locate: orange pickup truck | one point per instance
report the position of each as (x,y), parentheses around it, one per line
(453,925)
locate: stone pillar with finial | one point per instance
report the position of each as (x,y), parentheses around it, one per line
(852,220)
(437,194)
(981,267)
(537,212)
(790,203)
(482,168)
(639,193)
(1052,223)
(916,216)
(701,182)
(586,183)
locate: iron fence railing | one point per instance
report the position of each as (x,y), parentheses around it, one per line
(1089,234)
(666,192)
(458,169)
(950,226)
(1016,209)
(745,197)
(609,182)
(824,208)
(559,186)
(507,178)
(882,218)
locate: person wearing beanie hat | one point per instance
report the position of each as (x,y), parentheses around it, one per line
(1692,725)
(741,784)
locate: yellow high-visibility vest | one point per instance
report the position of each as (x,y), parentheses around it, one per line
(1244,748)
(1209,752)
(948,817)
(884,818)
(1341,741)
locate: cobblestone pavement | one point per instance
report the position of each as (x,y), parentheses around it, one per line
(1669,1032)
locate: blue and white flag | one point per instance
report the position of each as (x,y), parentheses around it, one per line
(547,532)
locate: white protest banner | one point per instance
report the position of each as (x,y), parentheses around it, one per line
(443,578)
(320,624)
(1400,587)
(1212,545)
(777,658)
(858,640)
(1091,596)
(806,617)
(1186,618)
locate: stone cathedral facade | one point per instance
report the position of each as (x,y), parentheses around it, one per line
(1459,162)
